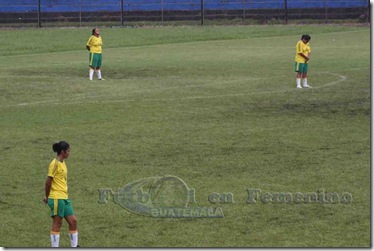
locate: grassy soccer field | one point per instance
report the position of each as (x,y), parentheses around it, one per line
(215,106)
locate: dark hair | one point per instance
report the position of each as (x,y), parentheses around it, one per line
(306,37)
(93,31)
(60,146)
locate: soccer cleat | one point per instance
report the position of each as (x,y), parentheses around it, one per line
(298,87)
(91,79)
(307,86)
(101,78)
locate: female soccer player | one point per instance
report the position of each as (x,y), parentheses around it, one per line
(301,61)
(94,44)
(56,195)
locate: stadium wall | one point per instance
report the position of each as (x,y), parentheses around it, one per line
(20,13)
(59,6)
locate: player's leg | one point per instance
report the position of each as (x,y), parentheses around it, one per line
(98,71)
(304,77)
(92,69)
(98,65)
(73,230)
(298,74)
(73,224)
(55,231)
(72,221)
(91,73)
(57,208)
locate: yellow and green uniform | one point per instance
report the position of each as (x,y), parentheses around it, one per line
(58,199)
(300,64)
(95,57)
(95,44)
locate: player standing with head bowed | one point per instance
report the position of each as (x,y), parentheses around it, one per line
(301,61)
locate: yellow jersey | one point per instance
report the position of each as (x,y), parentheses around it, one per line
(302,48)
(58,171)
(95,44)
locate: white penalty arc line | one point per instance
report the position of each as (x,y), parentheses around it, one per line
(341,79)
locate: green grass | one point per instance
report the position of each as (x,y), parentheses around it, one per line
(215,106)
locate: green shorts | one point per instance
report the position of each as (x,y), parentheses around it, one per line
(95,60)
(301,67)
(60,207)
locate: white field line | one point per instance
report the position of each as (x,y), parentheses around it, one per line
(89,100)
(342,78)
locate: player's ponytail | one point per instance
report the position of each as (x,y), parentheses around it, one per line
(60,146)
(93,31)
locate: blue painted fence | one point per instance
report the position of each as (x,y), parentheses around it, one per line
(22,6)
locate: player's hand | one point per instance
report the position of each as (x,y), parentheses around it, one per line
(45,200)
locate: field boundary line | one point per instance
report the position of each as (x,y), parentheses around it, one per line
(58,102)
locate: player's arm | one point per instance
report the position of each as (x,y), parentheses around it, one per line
(47,188)
(88,45)
(304,56)
(308,53)
(299,51)
(308,57)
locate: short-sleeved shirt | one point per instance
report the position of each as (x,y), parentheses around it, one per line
(95,44)
(302,48)
(58,171)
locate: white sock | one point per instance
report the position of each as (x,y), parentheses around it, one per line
(298,82)
(99,74)
(91,73)
(73,238)
(305,82)
(55,239)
